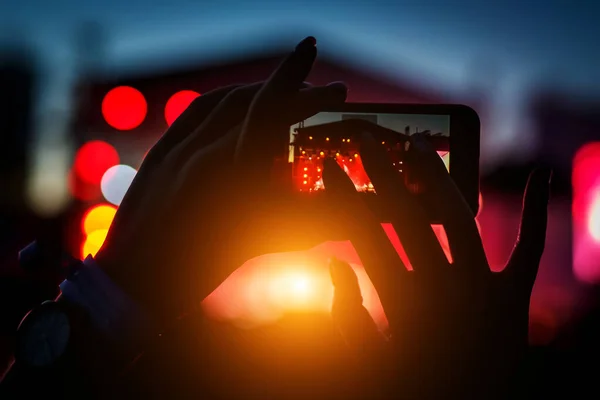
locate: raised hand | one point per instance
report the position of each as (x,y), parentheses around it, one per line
(456,329)
(203,202)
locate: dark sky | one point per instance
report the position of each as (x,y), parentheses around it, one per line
(529,40)
(508,47)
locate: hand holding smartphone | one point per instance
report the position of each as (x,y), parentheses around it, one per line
(453,130)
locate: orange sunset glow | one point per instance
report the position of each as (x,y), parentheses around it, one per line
(267,287)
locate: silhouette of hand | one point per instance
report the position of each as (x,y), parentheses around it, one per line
(456,328)
(203,201)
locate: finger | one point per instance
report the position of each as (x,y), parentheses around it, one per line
(187,122)
(183,126)
(348,313)
(175,142)
(310,101)
(442,194)
(193,117)
(266,131)
(231,111)
(294,70)
(408,218)
(264,140)
(529,247)
(181,130)
(379,257)
(228,114)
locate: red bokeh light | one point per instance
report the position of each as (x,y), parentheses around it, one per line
(82,190)
(93,159)
(178,104)
(586,213)
(124,108)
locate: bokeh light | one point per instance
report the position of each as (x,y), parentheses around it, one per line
(586,213)
(594,219)
(268,287)
(93,159)
(445,156)
(116,182)
(98,217)
(81,190)
(178,103)
(124,108)
(93,242)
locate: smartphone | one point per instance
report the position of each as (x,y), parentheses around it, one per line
(453,130)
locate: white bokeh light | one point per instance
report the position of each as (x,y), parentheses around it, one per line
(115,183)
(594,219)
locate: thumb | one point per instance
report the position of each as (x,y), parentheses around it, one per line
(349,315)
(529,247)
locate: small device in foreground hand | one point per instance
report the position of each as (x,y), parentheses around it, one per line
(453,130)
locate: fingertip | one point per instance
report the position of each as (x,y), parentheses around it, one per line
(330,168)
(338,85)
(335,179)
(339,90)
(546,174)
(370,152)
(341,272)
(306,44)
(332,271)
(540,181)
(345,282)
(541,174)
(329,162)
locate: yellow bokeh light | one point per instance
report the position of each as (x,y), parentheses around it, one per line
(98,217)
(93,243)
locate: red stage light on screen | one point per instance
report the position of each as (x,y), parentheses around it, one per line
(439,231)
(97,218)
(178,103)
(124,108)
(93,159)
(586,213)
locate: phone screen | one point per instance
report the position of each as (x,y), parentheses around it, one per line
(319,137)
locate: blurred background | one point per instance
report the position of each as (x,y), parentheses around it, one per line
(88,87)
